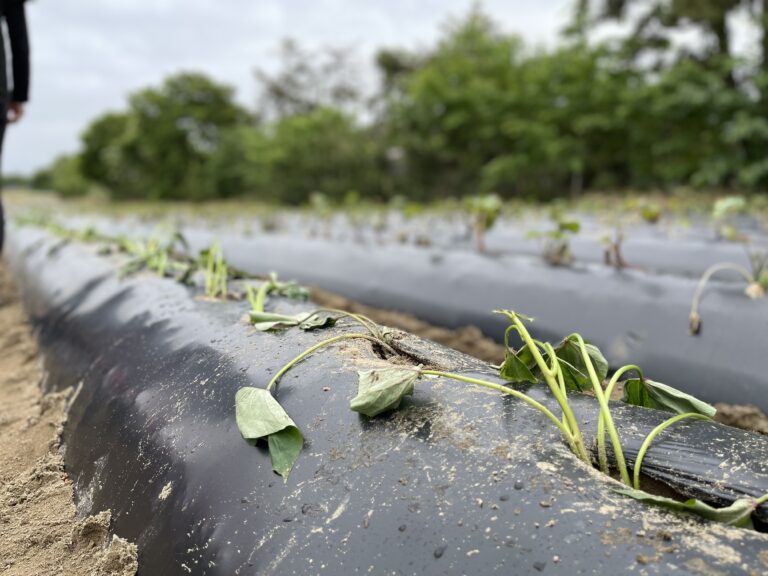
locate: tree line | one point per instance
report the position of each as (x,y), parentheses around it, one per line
(478,112)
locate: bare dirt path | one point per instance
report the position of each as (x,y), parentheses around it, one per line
(39,534)
(467,339)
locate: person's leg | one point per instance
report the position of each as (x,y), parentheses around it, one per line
(3,118)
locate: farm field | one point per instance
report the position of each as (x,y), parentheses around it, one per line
(275,389)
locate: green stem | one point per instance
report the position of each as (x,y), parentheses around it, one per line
(602,457)
(261,296)
(550,375)
(512,392)
(762,500)
(605,411)
(366,322)
(314,348)
(655,432)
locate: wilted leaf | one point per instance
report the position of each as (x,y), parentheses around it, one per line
(650,394)
(575,373)
(382,390)
(284,449)
(738,514)
(265,321)
(515,369)
(314,322)
(259,416)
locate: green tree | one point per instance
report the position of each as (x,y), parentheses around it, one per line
(240,165)
(102,158)
(65,177)
(159,148)
(321,151)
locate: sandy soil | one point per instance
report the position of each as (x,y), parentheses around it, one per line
(747,417)
(39,534)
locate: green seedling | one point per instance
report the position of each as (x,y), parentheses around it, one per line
(323,210)
(756,280)
(216,272)
(723,213)
(557,245)
(156,256)
(651,213)
(485,210)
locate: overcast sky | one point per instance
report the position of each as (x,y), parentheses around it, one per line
(88,55)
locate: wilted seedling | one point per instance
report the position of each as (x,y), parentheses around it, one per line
(612,249)
(557,245)
(572,365)
(485,210)
(252,408)
(756,280)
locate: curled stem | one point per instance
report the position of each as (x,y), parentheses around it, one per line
(655,432)
(566,432)
(316,347)
(694,317)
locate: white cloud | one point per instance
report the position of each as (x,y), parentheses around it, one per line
(88,56)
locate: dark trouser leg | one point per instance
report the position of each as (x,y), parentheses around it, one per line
(3,117)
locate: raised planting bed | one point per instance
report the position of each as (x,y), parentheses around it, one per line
(459,479)
(643,248)
(667,248)
(632,316)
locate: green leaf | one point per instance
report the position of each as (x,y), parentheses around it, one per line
(650,394)
(515,369)
(259,416)
(575,373)
(526,356)
(382,390)
(569,226)
(738,514)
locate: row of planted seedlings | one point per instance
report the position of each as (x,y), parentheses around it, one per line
(572,366)
(484,211)
(556,244)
